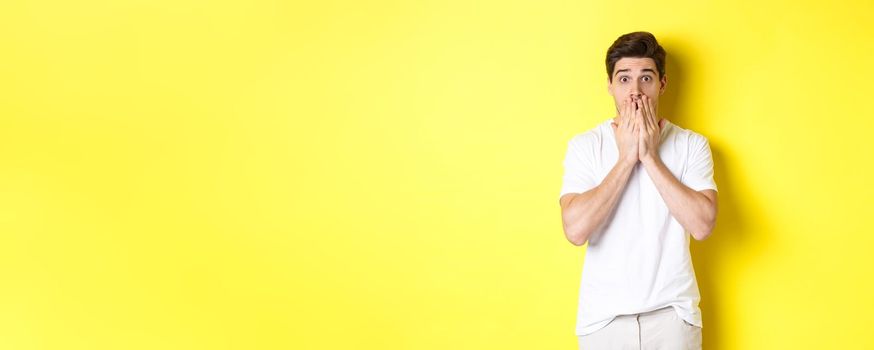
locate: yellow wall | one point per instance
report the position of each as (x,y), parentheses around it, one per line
(384,175)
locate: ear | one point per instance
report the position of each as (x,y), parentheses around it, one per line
(664,83)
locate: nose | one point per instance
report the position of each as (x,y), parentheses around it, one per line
(635,91)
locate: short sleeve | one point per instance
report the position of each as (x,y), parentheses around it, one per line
(698,174)
(578,175)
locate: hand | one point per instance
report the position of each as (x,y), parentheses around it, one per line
(625,131)
(649,135)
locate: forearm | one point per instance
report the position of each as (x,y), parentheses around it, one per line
(584,213)
(692,209)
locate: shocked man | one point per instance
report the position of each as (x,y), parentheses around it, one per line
(635,188)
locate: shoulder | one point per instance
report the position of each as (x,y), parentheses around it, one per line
(687,136)
(591,137)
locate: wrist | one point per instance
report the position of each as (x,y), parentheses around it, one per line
(650,160)
(630,161)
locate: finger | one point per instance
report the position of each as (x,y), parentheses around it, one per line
(623,111)
(650,122)
(620,110)
(638,120)
(638,113)
(653,115)
(626,118)
(630,106)
(641,115)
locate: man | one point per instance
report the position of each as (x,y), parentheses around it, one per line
(634,188)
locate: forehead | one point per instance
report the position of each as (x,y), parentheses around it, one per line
(634,64)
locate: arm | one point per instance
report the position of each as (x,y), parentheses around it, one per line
(694,210)
(583,213)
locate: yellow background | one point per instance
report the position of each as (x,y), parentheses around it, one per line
(385,174)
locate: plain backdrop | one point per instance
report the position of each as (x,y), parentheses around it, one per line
(195,174)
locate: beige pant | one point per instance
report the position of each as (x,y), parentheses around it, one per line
(659,329)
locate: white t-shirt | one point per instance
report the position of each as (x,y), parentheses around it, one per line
(639,260)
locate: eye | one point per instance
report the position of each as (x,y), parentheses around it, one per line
(623,79)
(646,78)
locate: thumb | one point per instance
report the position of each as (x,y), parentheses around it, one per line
(661,123)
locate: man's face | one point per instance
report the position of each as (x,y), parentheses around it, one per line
(633,77)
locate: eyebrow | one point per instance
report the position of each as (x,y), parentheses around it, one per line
(628,70)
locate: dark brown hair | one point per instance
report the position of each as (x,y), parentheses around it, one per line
(637,45)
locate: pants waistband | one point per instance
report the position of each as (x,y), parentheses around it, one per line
(659,311)
(663,310)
